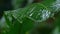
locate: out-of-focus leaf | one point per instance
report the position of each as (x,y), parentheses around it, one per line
(26,18)
(17,3)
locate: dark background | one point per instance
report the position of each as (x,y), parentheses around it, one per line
(5,5)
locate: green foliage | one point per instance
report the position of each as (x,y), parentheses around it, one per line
(21,20)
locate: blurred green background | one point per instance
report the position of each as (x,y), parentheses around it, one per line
(29,16)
